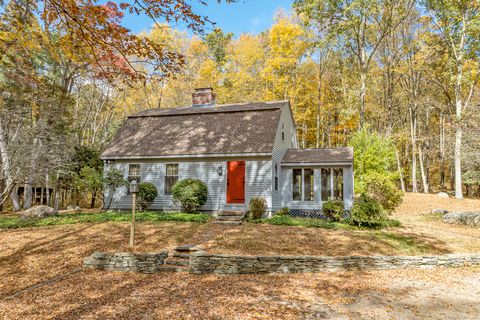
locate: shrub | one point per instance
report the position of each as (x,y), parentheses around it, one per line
(257,208)
(383,189)
(367,211)
(147,193)
(333,209)
(283,212)
(191,194)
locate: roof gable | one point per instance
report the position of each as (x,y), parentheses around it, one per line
(226,129)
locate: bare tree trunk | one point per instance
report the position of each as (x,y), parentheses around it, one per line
(400,171)
(363,93)
(15,200)
(27,193)
(458,133)
(422,171)
(56,201)
(442,151)
(47,190)
(413,136)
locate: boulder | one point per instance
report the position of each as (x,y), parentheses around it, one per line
(73,207)
(442,195)
(466,218)
(38,212)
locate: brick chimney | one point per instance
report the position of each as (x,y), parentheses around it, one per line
(203,97)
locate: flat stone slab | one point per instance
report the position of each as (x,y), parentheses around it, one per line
(188,248)
(466,218)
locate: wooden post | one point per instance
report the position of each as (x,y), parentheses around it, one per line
(132,226)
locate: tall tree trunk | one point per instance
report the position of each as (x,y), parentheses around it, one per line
(442,151)
(47,190)
(15,200)
(458,133)
(413,136)
(27,193)
(363,93)
(94,197)
(422,170)
(400,171)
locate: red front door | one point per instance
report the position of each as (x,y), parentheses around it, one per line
(236,182)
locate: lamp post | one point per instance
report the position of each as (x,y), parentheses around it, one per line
(133,191)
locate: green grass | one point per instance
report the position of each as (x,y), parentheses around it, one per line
(12,222)
(324,224)
(404,243)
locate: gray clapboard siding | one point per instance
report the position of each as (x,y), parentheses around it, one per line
(257,179)
(280,147)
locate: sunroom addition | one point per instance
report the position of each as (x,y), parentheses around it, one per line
(313,176)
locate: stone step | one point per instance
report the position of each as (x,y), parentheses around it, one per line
(180,255)
(231,213)
(229,218)
(232,223)
(188,248)
(176,262)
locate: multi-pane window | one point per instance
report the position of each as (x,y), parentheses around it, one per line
(276,177)
(337,183)
(325,186)
(302,187)
(134,170)
(297,184)
(332,183)
(308,185)
(171,177)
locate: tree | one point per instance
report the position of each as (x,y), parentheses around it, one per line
(112,180)
(458,25)
(360,26)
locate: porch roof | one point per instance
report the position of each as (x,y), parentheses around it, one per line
(322,155)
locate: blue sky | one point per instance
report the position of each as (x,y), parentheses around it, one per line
(251,16)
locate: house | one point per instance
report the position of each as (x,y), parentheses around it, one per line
(240,151)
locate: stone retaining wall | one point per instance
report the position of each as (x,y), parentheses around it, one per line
(231,264)
(126,261)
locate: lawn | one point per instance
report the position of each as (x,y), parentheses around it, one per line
(41,273)
(13,222)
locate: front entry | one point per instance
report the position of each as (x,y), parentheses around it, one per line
(236,182)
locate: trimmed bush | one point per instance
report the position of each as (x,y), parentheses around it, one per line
(190,194)
(257,208)
(383,189)
(333,209)
(147,193)
(283,212)
(367,211)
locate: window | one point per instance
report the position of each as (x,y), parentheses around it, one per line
(276,177)
(332,184)
(338,183)
(297,184)
(283,132)
(308,185)
(326,187)
(303,182)
(171,177)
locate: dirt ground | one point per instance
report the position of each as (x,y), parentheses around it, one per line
(41,273)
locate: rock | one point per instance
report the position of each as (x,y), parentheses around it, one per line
(440,211)
(38,212)
(442,195)
(466,218)
(72,207)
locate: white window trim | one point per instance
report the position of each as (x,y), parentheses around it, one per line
(332,183)
(165,175)
(303,186)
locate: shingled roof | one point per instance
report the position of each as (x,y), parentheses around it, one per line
(324,155)
(223,129)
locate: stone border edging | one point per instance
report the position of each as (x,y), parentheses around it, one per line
(232,264)
(126,261)
(207,263)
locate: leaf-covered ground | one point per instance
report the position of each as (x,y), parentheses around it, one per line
(42,277)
